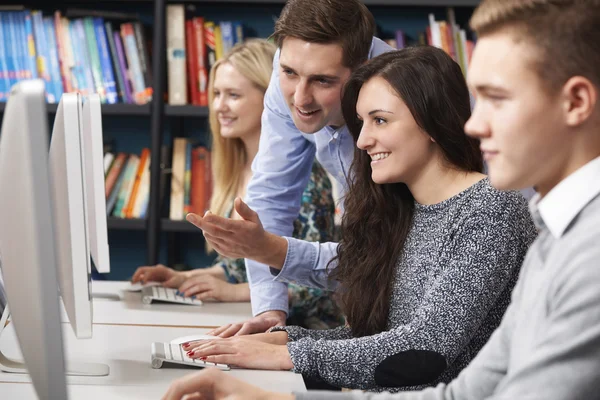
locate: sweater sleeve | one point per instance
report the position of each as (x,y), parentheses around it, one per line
(297,333)
(484,254)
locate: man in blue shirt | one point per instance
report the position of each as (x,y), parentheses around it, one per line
(320,43)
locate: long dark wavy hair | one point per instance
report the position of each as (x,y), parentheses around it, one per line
(378,218)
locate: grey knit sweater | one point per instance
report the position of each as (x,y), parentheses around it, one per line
(451,288)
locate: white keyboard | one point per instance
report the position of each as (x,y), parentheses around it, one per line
(171,353)
(159,293)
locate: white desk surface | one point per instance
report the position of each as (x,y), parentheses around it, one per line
(112,304)
(126,350)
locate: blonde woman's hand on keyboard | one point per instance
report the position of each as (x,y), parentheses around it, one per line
(243,352)
(209,287)
(211,383)
(159,273)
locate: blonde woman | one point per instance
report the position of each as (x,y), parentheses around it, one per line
(237,85)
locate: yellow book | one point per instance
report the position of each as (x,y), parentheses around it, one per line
(218,42)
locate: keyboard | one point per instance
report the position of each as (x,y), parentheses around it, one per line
(171,353)
(163,294)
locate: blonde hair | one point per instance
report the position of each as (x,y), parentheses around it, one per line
(565,33)
(254,60)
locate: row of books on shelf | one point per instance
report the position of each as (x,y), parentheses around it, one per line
(193,47)
(445,34)
(127,181)
(97,55)
(87,55)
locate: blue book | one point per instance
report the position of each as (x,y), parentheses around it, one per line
(32,66)
(55,74)
(78,74)
(108,78)
(238,32)
(41,47)
(21,43)
(4,83)
(11,51)
(79,53)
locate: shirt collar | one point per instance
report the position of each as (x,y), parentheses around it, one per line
(566,200)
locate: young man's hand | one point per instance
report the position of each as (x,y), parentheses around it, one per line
(213,384)
(259,324)
(243,238)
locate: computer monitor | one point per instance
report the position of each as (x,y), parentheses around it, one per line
(94,179)
(27,256)
(69,204)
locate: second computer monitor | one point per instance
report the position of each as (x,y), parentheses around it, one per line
(69,201)
(94,177)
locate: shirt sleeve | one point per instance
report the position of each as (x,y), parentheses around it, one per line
(297,333)
(454,306)
(280,173)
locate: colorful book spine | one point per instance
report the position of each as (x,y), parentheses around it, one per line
(209,37)
(25,72)
(30,45)
(176,64)
(65,72)
(94,57)
(238,32)
(82,55)
(187,185)
(4,83)
(227,36)
(69,59)
(124,72)
(57,84)
(108,78)
(192,62)
(110,39)
(43,58)
(11,70)
(198,24)
(145,65)
(133,60)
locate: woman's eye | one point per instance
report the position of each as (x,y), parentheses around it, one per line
(379,121)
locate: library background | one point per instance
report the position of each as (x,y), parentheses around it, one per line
(120,49)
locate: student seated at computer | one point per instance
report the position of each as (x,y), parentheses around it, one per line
(429,252)
(237,85)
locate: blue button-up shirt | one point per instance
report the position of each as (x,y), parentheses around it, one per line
(281,171)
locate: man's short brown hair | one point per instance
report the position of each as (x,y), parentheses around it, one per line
(566,34)
(346,22)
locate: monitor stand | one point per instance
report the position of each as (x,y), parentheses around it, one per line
(72,368)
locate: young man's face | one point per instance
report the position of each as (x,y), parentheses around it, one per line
(311,77)
(518,123)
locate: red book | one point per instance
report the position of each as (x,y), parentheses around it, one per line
(201,180)
(201,55)
(192,62)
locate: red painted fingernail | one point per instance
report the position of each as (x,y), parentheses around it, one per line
(190,353)
(185,344)
(203,358)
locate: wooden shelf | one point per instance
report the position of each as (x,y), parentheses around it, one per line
(136,224)
(143,110)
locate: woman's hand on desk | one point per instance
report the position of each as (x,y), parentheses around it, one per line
(209,287)
(213,384)
(241,238)
(159,273)
(242,352)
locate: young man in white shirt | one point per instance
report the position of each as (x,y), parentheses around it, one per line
(536,79)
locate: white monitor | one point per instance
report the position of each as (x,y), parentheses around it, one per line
(94,178)
(69,201)
(27,255)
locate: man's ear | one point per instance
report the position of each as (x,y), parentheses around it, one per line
(580,96)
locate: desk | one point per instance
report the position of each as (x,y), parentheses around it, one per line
(126,349)
(114,305)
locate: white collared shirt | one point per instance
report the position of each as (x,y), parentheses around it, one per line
(564,202)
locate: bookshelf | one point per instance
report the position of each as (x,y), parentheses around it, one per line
(141,110)
(156,238)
